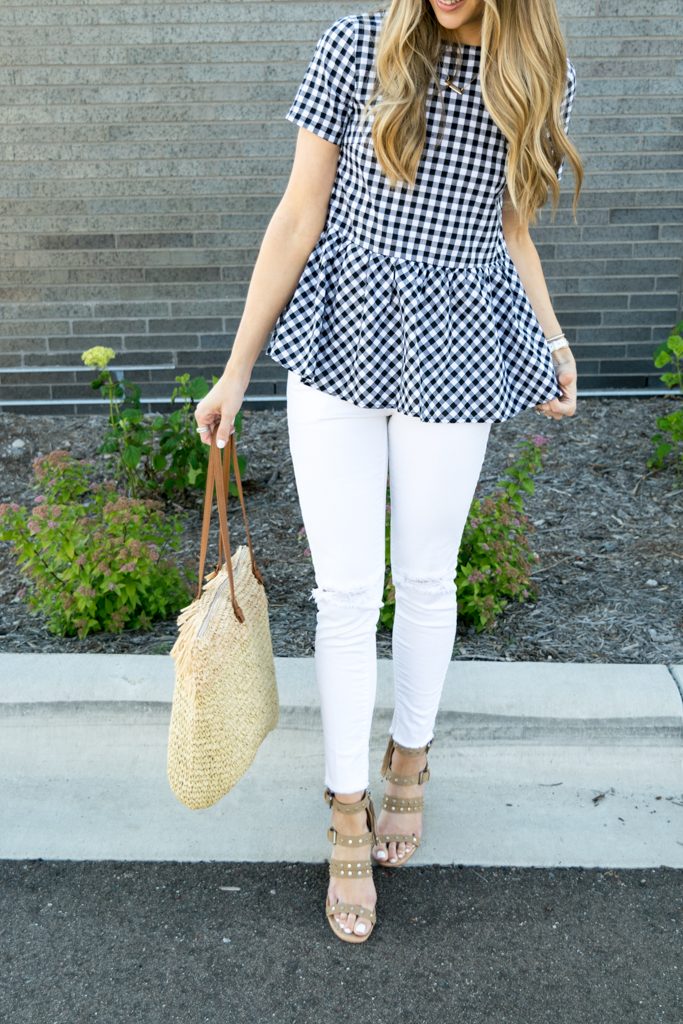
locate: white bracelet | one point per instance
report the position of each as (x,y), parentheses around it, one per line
(559,341)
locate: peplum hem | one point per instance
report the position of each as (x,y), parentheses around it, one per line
(442,343)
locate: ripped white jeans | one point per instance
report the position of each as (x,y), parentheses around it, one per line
(341,454)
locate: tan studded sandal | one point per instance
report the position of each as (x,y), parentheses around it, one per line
(401,804)
(350,868)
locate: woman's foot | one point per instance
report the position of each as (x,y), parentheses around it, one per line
(404,821)
(352,890)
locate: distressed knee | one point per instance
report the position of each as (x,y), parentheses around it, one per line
(435,582)
(435,589)
(369,596)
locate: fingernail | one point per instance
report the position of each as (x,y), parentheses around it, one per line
(220,442)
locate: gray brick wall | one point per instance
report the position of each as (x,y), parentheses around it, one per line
(144,148)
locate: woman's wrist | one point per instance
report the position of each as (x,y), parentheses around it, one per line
(562,355)
(237,375)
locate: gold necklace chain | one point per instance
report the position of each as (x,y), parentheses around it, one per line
(456,88)
(450,83)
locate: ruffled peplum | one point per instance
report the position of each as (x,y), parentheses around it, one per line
(443,343)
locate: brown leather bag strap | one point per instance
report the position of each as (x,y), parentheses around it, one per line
(231,450)
(222,501)
(206,517)
(214,480)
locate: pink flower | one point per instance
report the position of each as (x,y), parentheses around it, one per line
(539,440)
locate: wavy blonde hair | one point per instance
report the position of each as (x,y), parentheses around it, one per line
(523,79)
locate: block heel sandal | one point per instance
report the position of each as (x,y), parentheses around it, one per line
(350,868)
(401,805)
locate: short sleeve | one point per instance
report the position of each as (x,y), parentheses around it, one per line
(566,106)
(324,100)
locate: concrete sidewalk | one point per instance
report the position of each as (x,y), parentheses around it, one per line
(533,764)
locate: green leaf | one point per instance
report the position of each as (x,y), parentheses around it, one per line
(675,343)
(131,456)
(198,388)
(662,358)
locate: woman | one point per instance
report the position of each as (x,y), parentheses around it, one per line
(406,299)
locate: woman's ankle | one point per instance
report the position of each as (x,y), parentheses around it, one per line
(349,798)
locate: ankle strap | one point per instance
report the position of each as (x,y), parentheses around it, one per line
(346,808)
(391,746)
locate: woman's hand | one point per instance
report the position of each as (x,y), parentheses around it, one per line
(218,408)
(565,371)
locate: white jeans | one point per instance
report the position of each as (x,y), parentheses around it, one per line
(341,454)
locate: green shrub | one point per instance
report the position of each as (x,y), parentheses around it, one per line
(668,441)
(155,454)
(94,559)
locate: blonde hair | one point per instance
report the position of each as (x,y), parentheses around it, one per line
(523,80)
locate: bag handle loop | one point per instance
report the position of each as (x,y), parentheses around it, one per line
(226,483)
(217,477)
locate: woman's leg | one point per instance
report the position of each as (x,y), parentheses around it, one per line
(339,454)
(433,472)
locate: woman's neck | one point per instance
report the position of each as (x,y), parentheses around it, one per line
(466,35)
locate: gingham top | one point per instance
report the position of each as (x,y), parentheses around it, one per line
(410,299)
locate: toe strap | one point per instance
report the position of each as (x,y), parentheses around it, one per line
(351,908)
(401,804)
(350,868)
(397,837)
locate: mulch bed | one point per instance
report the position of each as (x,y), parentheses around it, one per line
(607,530)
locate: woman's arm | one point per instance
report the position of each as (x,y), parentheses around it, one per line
(527,262)
(292,232)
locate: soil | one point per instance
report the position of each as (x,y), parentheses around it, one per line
(607,531)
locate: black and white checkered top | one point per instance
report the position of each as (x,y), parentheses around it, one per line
(410,299)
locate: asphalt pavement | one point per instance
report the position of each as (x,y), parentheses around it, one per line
(548,887)
(241,943)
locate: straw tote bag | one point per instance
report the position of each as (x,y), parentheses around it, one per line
(225,698)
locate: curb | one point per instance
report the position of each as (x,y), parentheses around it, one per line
(535,764)
(481,701)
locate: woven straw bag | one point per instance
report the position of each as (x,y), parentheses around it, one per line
(225,698)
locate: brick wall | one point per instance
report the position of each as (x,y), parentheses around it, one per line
(144,148)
